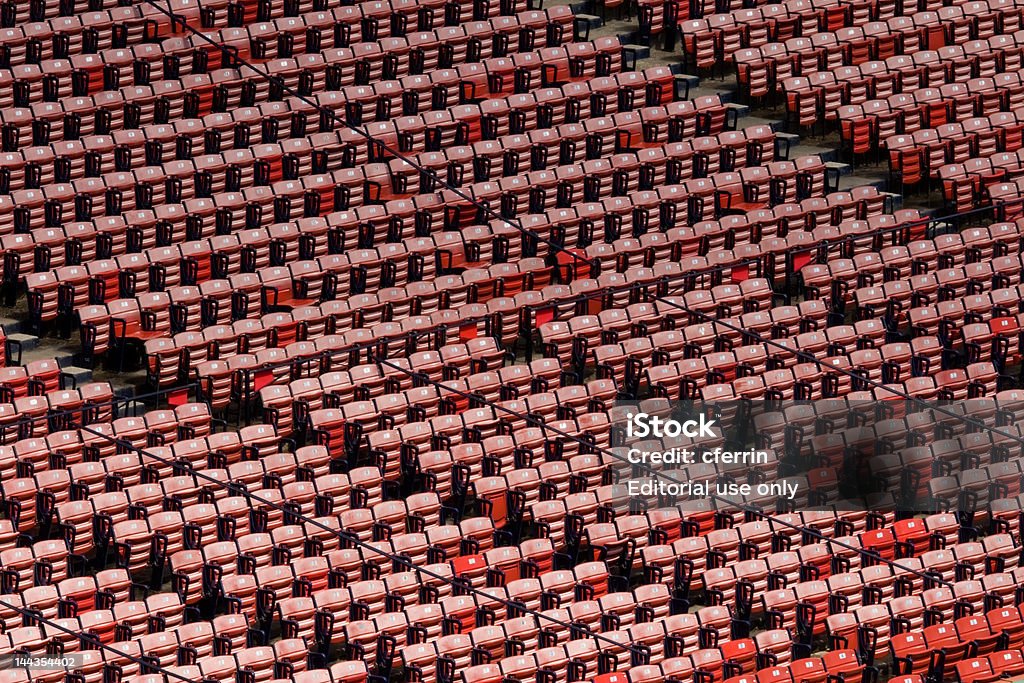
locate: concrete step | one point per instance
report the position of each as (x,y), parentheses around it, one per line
(26,341)
(677,69)
(592,20)
(64,352)
(11,325)
(742,111)
(641,51)
(81,375)
(844,169)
